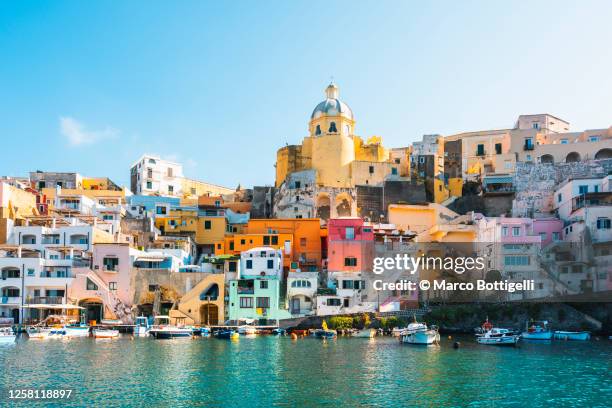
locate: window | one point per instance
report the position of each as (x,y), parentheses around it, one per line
(397,161)
(149,185)
(564,141)
(535,125)
(528,158)
(91,285)
(169,172)
(394,171)
(516,231)
(151,161)
(350,233)
(583,189)
(333,302)
(556,236)
(603,223)
(193,191)
(263,284)
(30,272)
(480,150)
(263,302)
(249,264)
(246,302)
(207,224)
(504,231)
(149,173)
(231,245)
(345,303)
(170,189)
(112,286)
(160,210)
(421,160)
(274,239)
(594,139)
(318,130)
(528,143)
(559,198)
(266,240)
(231,267)
(242,241)
(517,260)
(110,263)
(270,263)
(596,189)
(332,128)
(350,261)
(298,184)
(498,148)
(371,169)
(543,236)
(347,284)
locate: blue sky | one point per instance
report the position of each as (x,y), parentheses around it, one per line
(90,86)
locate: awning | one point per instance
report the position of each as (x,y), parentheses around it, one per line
(150,259)
(58,306)
(497,180)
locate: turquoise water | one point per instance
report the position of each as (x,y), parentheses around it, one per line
(266,371)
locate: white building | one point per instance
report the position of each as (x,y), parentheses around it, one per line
(301,291)
(577,193)
(261,262)
(152,175)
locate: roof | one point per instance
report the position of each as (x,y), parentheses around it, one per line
(506,179)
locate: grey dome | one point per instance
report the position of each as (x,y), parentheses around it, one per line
(332,106)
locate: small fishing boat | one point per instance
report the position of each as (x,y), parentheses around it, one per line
(142,326)
(279,332)
(498,337)
(537,330)
(364,333)
(324,332)
(247,330)
(569,335)
(397,331)
(7,335)
(419,333)
(101,333)
(76,330)
(162,329)
(227,334)
(38,333)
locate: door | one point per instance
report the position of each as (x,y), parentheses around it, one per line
(295,306)
(15,315)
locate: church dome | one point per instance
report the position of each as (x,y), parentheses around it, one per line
(332,106)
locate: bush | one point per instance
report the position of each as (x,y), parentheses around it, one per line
(340,322)
(391,322)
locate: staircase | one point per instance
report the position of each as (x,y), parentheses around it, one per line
(112,303)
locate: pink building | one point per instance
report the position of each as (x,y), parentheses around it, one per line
(549,229)
(350,245)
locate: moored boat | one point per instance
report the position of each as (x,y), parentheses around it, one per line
(162,329)
(324,332)
(142,326)
(101,333)
(7,335)
(366,333)
(498,337)
(279,332)
(38,333)
(569,335)
(76,330)
(419,333)
(247,330)
(537,330)
(227,334)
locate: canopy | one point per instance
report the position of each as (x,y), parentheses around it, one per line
(42,306)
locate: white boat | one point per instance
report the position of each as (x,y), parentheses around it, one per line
(38,333)
(162,329)
(100,333)
(397,331)
(569,335)
(141,327)
(537,330)
(498,337)
(365,333)
(76,330)
(419,333)
(7,336)
(247,330)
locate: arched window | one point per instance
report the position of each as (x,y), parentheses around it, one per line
(318,130)
(308,284)
(332,128)
(347,129)
(294,284)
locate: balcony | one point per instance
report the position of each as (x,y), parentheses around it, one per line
(56,273)
(599,199)
(10,300)
(45,300)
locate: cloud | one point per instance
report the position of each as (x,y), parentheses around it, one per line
(77,134)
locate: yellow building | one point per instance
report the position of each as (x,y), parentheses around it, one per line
(419,218)
(340,158)
(206,227)
(103,197)
(15,205)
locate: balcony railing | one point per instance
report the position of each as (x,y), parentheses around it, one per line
(45,300)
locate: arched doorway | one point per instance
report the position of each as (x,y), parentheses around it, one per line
(547,158)
(323,206)
(603,154)
(209,314)
(343,204)
(572,157)
(94,309)
(15,315)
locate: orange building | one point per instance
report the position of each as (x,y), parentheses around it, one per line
(235,244)
(307,240)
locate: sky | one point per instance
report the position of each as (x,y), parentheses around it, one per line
(90,86)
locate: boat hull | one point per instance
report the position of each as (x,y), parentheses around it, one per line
(577,336)
(227,335)
(170,334)
(365,333)
(7,339)
(499,341)
(426,337)
(547,335)
(106,334)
